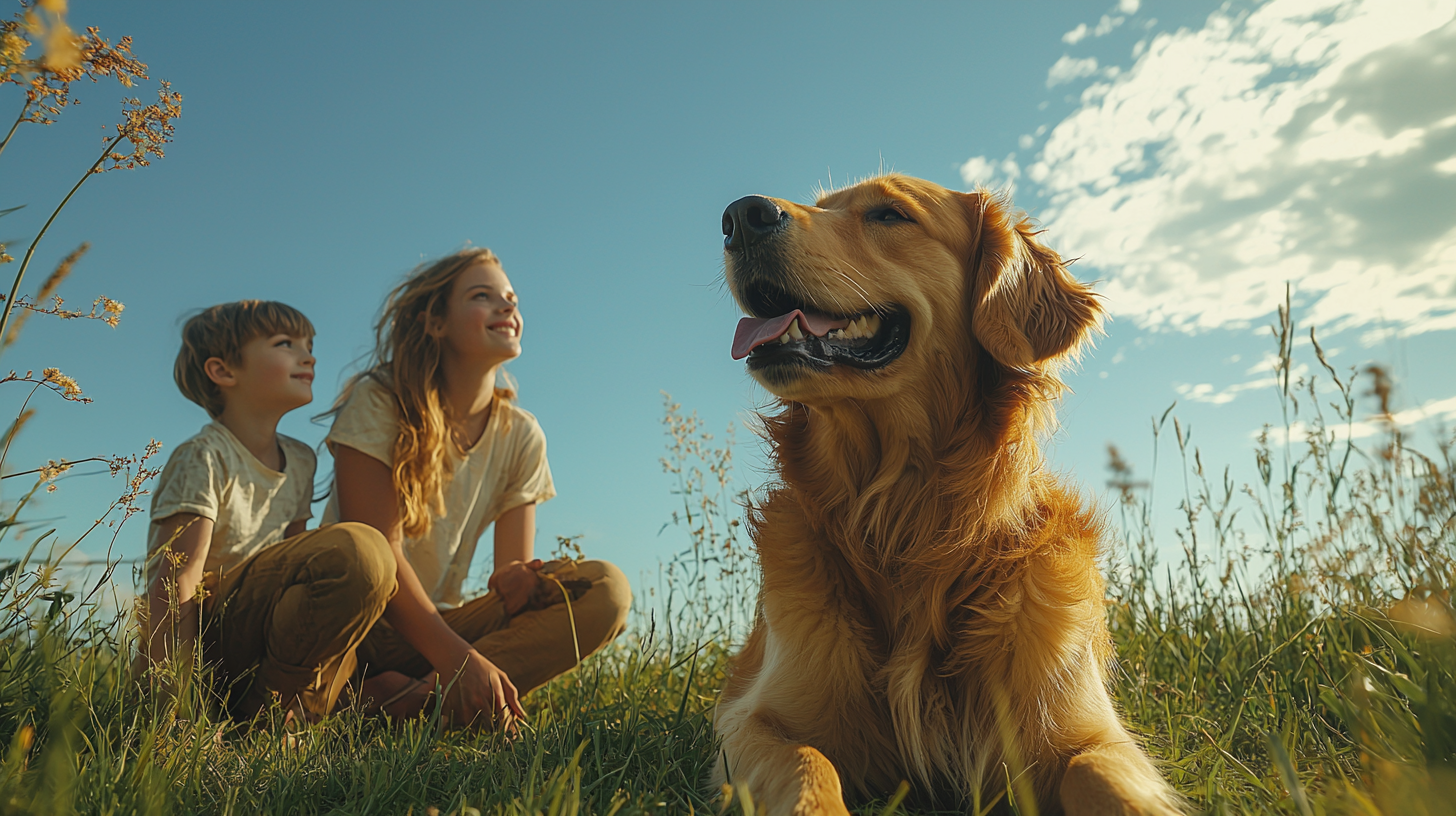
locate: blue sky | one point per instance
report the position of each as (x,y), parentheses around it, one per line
(1195,156)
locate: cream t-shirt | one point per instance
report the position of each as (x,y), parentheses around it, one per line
(250,504)
(505,469)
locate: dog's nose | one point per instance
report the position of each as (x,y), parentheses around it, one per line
(751,219)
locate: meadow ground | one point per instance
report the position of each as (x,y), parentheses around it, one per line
(1299,660)
(1299,657)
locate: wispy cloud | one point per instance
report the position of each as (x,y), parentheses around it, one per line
(1068,69)
(1441,413)
(1076,35)
(1264,374)
(997,175)
(1311,141)
(1104,26)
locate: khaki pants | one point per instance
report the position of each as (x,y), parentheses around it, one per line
(288,620)
(303,616)
(532,646)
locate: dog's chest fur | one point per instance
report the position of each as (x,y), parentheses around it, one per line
(924,673)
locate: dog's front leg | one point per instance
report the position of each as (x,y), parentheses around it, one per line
(783,778)
(1116,779)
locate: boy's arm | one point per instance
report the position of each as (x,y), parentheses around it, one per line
(366,494)
(295,528)
(171,599)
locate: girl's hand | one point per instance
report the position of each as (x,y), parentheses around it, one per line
(516,582)
(481,689)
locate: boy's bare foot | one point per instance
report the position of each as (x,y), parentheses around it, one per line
(398,695)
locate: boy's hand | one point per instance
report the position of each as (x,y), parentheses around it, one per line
(516,582)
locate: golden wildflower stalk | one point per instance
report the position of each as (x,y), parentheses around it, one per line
(147,128)
(66,57)
(29,253)
(20,418)
(16,126)
(47,289)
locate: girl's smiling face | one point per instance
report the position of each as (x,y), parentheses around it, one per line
(482,319)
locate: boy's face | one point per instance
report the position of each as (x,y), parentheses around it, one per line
(275,373)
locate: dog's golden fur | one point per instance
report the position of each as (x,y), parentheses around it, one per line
(932,607)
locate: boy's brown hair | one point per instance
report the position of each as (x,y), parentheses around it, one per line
(221,331)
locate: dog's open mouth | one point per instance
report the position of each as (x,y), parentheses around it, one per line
(809,337)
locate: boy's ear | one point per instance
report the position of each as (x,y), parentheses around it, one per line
(219,372)
(1024,307)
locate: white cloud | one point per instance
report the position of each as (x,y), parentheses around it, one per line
(1265,373)
(1311,141)
(981,171)
(1441,412)
(1069,68)
(1106,24)
(1204,392)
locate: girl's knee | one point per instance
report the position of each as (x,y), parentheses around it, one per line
(611,592)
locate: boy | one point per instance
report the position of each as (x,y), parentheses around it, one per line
(278,610)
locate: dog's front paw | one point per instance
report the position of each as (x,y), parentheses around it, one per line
(820,793)
(1116,782)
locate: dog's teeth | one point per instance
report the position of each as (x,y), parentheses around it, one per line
(872,325)
(794,331)
(784,338)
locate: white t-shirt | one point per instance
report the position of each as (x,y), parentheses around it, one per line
(250,505)
(505,469)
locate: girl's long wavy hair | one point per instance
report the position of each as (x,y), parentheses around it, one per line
(407,361)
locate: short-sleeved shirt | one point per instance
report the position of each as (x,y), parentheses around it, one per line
(250,505)
(505,469)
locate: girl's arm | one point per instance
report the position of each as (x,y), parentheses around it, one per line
(515,532)
(515,576)
(367,494)
(171,600)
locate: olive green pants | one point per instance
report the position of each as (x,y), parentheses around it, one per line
(287,620)
(533,645)
(303,617)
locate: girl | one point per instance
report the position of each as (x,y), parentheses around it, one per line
(430,452)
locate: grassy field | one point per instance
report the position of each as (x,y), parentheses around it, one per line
(1300,657)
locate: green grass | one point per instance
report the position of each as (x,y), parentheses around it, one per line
(1274,669)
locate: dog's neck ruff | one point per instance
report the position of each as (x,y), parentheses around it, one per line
(888,484)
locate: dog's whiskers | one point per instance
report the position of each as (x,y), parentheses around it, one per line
(862,293)
(861,289)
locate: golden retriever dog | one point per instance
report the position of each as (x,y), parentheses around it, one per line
(932,607)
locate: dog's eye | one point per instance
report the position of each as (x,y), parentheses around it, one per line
(888,215)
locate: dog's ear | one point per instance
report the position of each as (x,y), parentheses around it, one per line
(1024,306)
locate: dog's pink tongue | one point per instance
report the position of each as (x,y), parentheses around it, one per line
(755,331)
